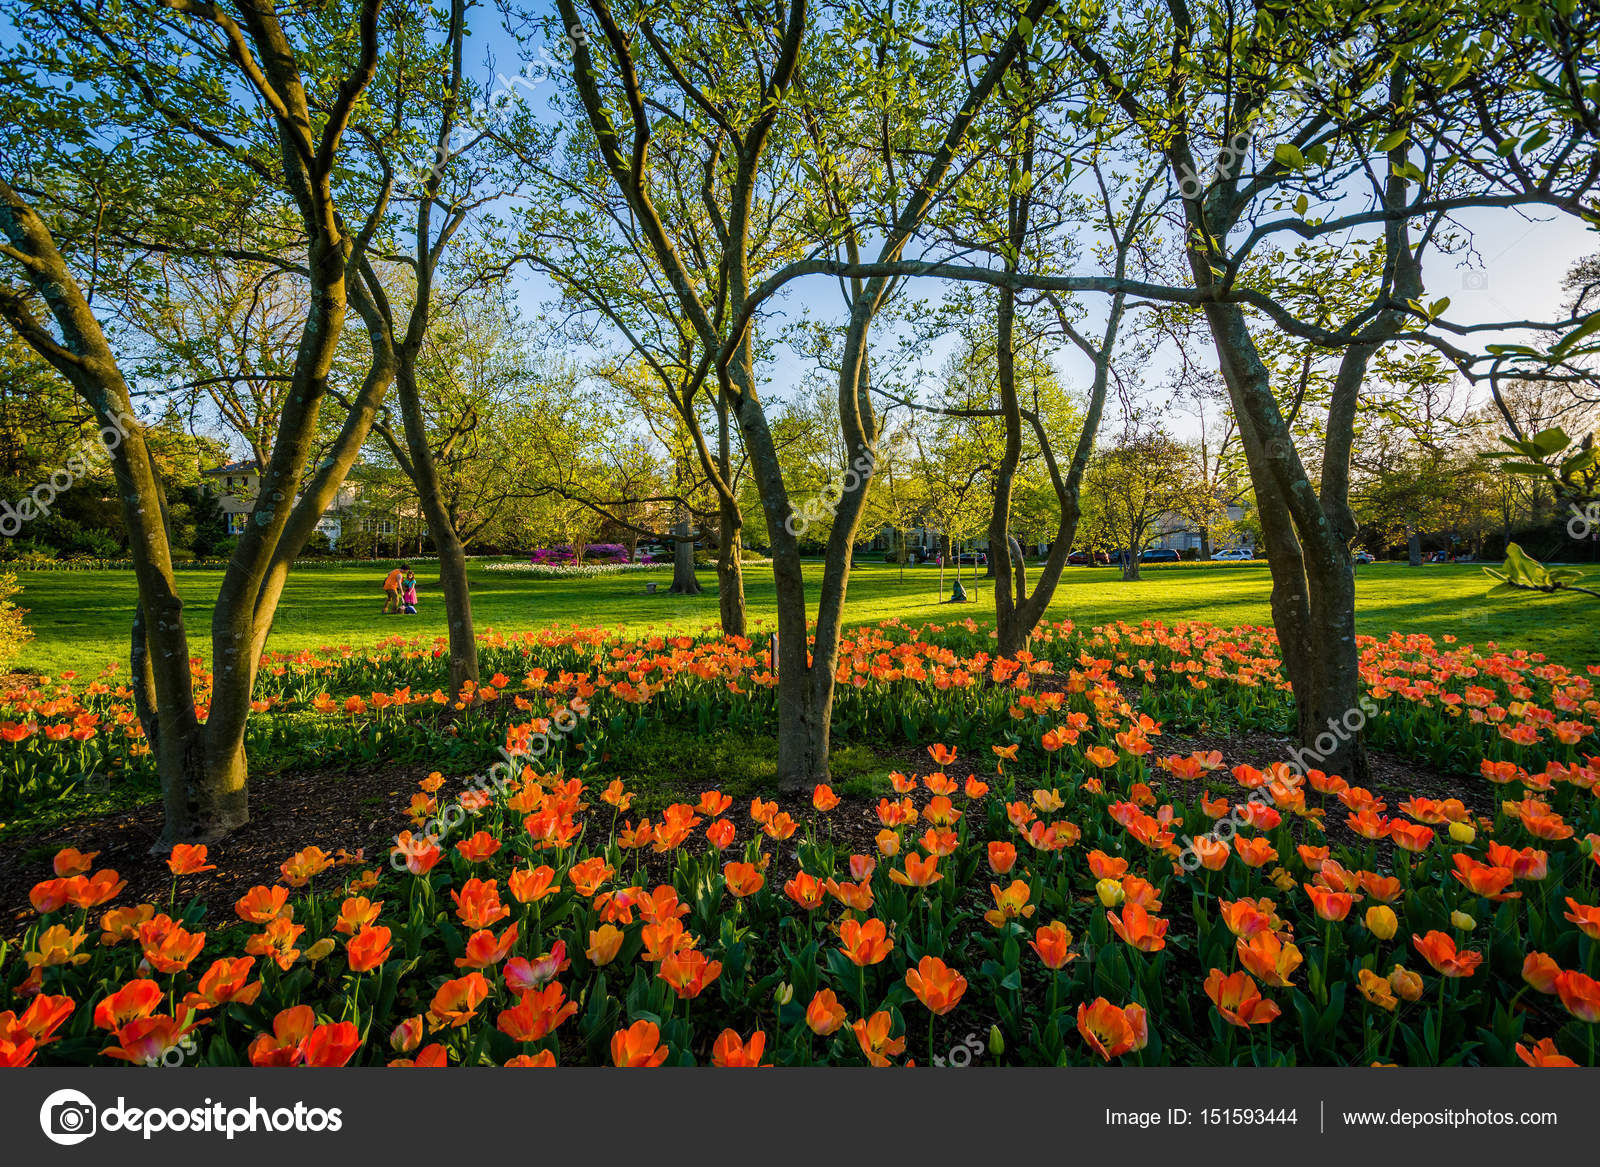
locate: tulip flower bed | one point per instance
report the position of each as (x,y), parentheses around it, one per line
(1046,885)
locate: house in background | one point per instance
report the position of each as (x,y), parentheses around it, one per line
(1176,533)
(237,484)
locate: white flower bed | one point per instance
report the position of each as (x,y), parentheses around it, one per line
(554,571)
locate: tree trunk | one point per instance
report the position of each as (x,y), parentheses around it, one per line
(730,573)
(1414,547)
(424,473)
(1331,706)
(684,582)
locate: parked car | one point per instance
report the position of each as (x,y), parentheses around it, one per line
(1364,557)
(978,558)
(1232,553)
(1085,558)
(1160,555)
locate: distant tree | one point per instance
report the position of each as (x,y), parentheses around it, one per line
(1146,475)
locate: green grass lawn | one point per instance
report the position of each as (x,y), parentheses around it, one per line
(81,619)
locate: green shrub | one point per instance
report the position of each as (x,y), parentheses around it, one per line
(13,632)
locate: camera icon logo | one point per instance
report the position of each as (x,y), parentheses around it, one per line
(68,1117)
(1475,281)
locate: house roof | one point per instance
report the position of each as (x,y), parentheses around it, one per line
(248,466)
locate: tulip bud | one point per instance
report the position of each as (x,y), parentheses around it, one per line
(997,1042)
(1462,921)
(320,949)
(785,993)
(1407,985)
(1110,892)
(406,1036)
(1381,922)
(1462,832)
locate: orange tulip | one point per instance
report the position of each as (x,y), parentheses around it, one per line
(1010,904)
(638,1046)
(484,951)
(1406,984)
(852,895)
(688,972)
(478,903)
(70,861)
(732,1052)
(135,1000)
(1541,972)
(1103,866)
(1269,958)
(39,1021)
(1137,928)
(1238,1000)
(1409,836)
(1111,1031)
(479,848)
(1440,951)
(1587,918)
(149,1040)
(121,924)
(824,799)
(1379,887)
(1257,852)
(261,904)
(872,1034)
(864,943)
(1053,943)
(1247,917)
(936,985)
(304,866)
(1377,990)
(713,803)
(168,946)
(1002,858)
(743,879)
(1332,906)
(285,1045)
(918,873)
(824,1015)
(188,860)
(1545,1055)
(537,1014)
(355,914)
(604,944)
(225,982)
(277,941)
(1481,879)
(806,890)
(1580,993)
(588,875)
(456,1002)
(50,895)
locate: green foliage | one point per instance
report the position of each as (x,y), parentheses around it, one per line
(13,632)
